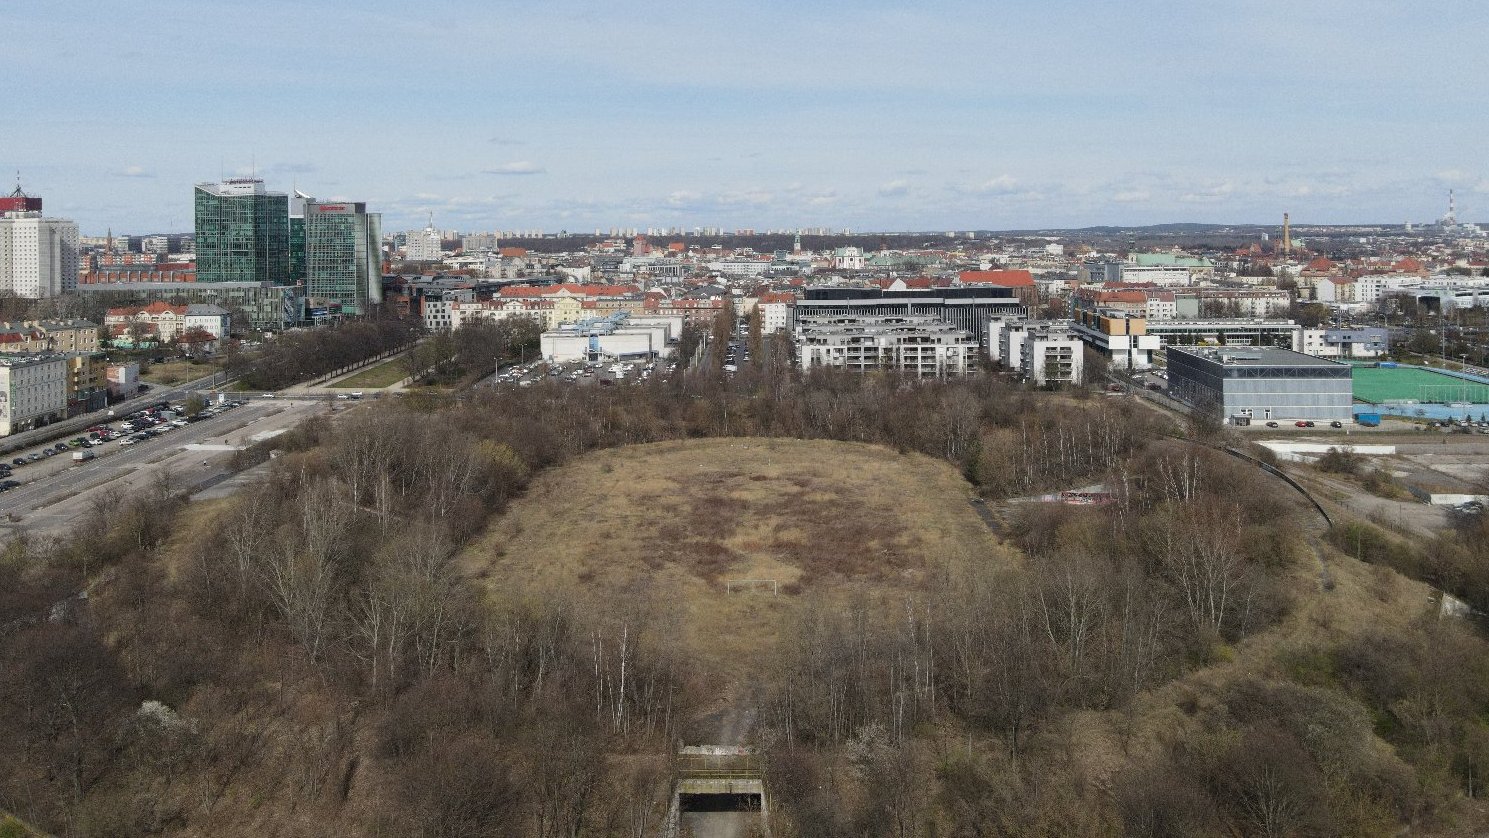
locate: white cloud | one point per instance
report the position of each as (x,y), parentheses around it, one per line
(1209,195)
(518,167)
(895,189)
(1000,185)
(135,171)
(1132,196)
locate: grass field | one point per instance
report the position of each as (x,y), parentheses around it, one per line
(1376,385)
(676,522)
(175,372)
(386,374)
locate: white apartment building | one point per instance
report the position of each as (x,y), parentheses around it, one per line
(38,256)
(777,312)
(1043,352)
(33,391)
(1165,275)
(212,319)
(915,345)
(423,246)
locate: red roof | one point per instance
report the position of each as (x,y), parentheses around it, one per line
(1006,278)
(510,252)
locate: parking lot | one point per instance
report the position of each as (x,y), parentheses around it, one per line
(102,440)
(581,373)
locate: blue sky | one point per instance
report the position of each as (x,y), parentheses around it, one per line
(938,115)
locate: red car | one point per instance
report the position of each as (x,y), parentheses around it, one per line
(1301,424)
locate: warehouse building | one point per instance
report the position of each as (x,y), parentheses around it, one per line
(1244,384)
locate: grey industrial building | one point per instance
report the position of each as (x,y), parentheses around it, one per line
(1261,383)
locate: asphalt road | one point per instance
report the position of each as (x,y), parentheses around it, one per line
(57,492)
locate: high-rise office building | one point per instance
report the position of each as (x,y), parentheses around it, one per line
(343,256)
(38,256)
(297,236)
(242,233)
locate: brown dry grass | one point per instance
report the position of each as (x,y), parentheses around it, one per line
(673,522)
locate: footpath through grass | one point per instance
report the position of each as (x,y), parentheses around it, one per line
(386,374)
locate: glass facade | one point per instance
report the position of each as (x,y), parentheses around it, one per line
(297,249)
(242,233)
(1275,385)
(343,257)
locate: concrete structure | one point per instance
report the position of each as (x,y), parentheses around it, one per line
(38,256)
(1261,384)
(242,232)
(343,256)
(480,243)
(912,344)
(33,391)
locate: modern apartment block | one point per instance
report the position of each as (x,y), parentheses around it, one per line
(38,256)
(1046,353)
(242,233)
(911,344)
(343,257)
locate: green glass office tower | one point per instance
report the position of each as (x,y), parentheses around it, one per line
(242,233)
(343,255)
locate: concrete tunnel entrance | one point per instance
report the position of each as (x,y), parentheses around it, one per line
(726,802)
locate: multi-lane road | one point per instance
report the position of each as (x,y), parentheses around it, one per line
(56,493)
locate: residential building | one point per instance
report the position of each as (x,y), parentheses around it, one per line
(48,336)
(38,256)
(777,311)
(423,245)
(212,319)
(1360,342)
(87,385)
(911,344)
(480,243)
(242,232)
(1044,352)
(1261,384)
(33,391)
(159,321)
(1019,282)
(343,257)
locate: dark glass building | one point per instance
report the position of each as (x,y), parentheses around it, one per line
(242,233)
(343,256)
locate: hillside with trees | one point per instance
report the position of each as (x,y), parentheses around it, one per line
(323,653)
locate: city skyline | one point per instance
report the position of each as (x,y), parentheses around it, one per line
(580,116)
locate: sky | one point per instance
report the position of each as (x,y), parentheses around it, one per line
(768,114)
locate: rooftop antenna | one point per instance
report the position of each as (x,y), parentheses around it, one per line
(1287,237)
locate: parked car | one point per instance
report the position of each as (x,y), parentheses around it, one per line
(18,461)
(1271,424)
(1336,424)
